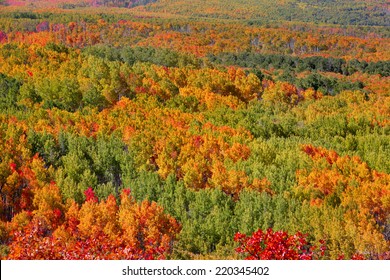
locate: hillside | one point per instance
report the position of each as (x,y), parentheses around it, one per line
(356,12)
(194,130)
(342,12)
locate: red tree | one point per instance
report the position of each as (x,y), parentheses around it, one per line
(278,245)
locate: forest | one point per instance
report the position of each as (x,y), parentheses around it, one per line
(170,129)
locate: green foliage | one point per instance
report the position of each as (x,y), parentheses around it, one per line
(206,218)
(9,91)
(158,56)
(352,12)
(84,163)
(62,94)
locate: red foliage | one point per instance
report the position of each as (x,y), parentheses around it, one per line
(270,245)
(197,141)
(3,37)
(43,26)
(57,213)
(35,242)
(357,256)
(12,165)
(126,192)
(90,195)
(318,152)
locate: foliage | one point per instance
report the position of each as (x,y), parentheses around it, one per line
(139,231)
(159,129)
(277,245)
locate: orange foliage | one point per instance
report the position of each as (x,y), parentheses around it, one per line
(347,182)
(98,230)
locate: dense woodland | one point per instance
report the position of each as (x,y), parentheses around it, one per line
(194,129)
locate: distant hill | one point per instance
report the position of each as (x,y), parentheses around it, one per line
(79,3)
(345,12)
(120,3)
(341,12)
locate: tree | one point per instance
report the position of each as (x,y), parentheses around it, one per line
(97,230)
(270,245)
(9,91)
(362,194)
